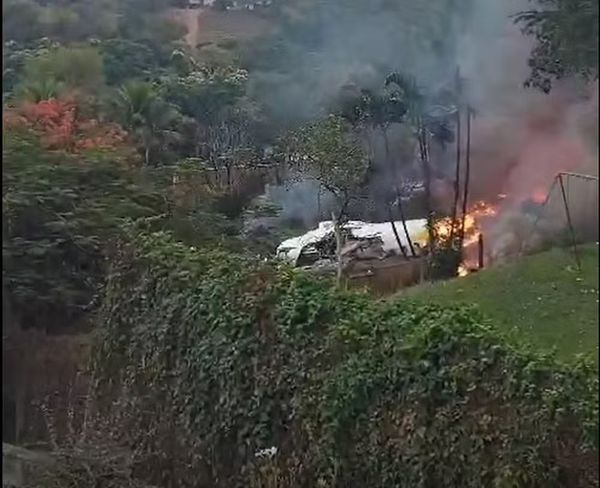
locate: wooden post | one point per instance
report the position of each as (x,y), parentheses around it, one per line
(569,221)
(480,249)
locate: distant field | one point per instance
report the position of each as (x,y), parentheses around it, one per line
(211,26)
(542,299)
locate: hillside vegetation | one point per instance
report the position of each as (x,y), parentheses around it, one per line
(133,163)
(230,357)
(542,299)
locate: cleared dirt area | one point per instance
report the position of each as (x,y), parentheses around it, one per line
(209,26)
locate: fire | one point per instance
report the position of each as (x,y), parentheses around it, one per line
(478,212)
(538,196)
(478,216)
(474,220)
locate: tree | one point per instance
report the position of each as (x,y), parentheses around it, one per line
(62,213)
(39,90)
(333,155)
(14,58)
(370,111)
(144,113)
(297,58)
(126,60)
(59,213)
(457,96)
(223,115)
(60,126)
(429,122)
(566,33)
(79,70)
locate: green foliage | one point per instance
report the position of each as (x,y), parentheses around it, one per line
(219,55)
(445,261)
(331,153)
(144,113)
(78,69)
(43,89)
(59,215)
(541,299)
(222,120)
(212,357)
(14,58)
(566,34)
(26,20)
(125,60)
(203,95)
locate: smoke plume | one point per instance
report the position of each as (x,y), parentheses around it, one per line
(521,138)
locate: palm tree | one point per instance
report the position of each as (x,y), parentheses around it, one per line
(383,110)
(430,120)
(133,100)
(414,102)
(147,116)
(465,201)
(458,100)
(366,109)
(42,89)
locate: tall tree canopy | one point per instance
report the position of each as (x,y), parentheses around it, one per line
(566,32)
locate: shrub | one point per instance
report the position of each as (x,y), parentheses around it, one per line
(214,359)
(59,214)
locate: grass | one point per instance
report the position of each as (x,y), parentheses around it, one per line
(542,299)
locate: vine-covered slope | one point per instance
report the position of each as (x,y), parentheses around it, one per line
(213,359)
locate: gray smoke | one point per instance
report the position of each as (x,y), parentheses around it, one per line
(521,138)
(302,202)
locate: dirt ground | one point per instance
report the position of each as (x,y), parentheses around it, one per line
(209,26)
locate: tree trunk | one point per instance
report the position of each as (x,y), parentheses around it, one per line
(319,202)
(393,224)
(456,178)
(338,246)
(467,178)
(228,171)
(427,181)
(391,217)
(147,155)
(403,220)
(197,144)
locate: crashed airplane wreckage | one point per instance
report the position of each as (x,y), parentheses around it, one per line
(363,241)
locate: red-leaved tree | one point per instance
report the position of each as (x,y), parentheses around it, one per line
(61,127)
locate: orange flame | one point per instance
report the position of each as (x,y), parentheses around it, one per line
(478,211)
(538,196)
(462,271)
(476,215)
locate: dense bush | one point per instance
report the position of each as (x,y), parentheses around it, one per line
(208,360)
(59,214)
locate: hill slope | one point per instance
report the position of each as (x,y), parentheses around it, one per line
(542,299)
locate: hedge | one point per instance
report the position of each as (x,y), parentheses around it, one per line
(221,371)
